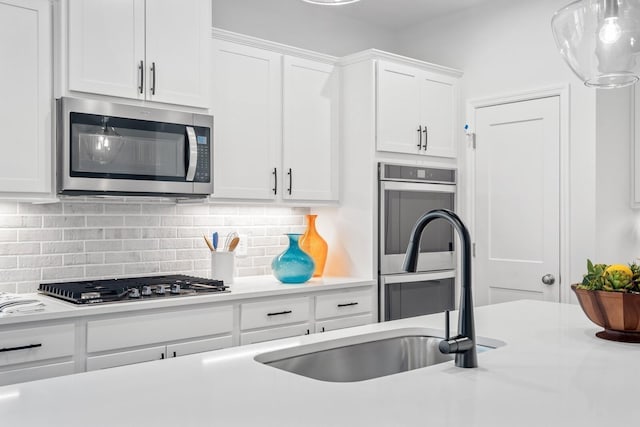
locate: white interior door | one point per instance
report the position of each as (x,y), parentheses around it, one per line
(517,201)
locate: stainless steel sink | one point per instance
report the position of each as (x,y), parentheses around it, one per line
(375,355)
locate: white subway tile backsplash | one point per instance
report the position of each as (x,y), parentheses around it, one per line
(83,208)
(122,233)
(8,261)
(105,221)
(80,238)
(35,261)
(140,245)
(8,235)
(19,248)
(58,273)
(142,268)
(12,221)
(102,245)
(39,235)
(19,275)
(63,221)
(122,208)
(63,247)
(83,234)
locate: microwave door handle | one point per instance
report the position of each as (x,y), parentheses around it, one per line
(193,153)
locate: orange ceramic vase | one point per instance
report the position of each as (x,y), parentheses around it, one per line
(313,244)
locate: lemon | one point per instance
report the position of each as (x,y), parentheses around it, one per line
(619,267)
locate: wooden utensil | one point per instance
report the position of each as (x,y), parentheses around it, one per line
(234,243)
(206,239)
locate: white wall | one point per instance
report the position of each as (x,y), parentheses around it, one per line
(618,225)
(507,47)
(300,24)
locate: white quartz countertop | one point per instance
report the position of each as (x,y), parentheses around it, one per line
(242,288)
(552,371)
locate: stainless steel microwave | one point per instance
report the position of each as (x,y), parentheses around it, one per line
(111,149)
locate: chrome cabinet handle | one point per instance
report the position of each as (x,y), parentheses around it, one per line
(290,173)
(420,137)
(275,180)
(548,279)
(426,137)
(153,78)
(193,153)
(141,77)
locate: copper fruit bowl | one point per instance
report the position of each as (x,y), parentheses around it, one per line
(617,312)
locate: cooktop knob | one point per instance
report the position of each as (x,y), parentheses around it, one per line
(146,291)
(134,293)
(161,289)
(175,288)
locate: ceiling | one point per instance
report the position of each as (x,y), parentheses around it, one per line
(399,14)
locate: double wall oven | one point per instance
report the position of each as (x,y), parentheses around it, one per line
(405,193)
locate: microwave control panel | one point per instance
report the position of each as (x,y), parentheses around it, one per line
(203,168)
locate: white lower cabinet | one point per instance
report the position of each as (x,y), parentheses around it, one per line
(344,322)
(33,353)
(156,336)
(274,334)
(157,353)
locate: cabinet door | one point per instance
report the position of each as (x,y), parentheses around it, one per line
(247,106)
(126,358)
(345,322)
(398,99)
(200,346)
(437,114)
(25,100)
(178,33)
(106,47)
(34,373)
(274,334)
(310,130)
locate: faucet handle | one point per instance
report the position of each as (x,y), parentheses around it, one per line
(447,330)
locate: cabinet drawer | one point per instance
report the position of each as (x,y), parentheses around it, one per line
(36,373)
(273,313)
(346,322)
(200,346)
(125,358)
(110,334)
(343,304)
(28,345)
(274,334)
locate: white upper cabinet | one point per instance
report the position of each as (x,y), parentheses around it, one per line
(26,96)
(416,110)
(156,50)
(276,122)
(247,106)
(310,139)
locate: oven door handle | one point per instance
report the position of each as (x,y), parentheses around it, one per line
(193,153)
(415,186)
(409,278)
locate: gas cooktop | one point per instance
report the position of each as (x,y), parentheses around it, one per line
(132,289)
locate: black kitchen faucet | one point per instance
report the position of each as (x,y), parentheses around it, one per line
(464,344)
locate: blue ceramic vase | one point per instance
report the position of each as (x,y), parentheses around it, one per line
(293,265)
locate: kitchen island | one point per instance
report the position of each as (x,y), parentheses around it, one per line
(552,371)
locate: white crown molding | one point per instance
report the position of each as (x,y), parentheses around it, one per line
(371,54)
(220,34)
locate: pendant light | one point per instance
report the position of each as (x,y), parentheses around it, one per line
(600,40)
(331,2)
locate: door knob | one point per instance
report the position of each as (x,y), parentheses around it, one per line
(548,279)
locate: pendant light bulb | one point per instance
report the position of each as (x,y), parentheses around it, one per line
(331,2)
(610,31)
